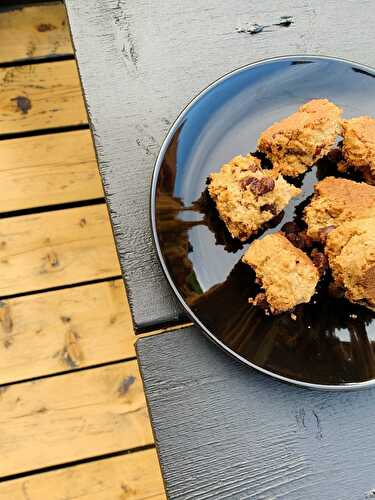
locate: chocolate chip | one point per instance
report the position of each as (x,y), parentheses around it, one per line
(335,155)
(269,207)
(290,227)
(324,232)
(300,240)
(259,187)
(320,261)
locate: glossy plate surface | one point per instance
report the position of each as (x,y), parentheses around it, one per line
(331,343)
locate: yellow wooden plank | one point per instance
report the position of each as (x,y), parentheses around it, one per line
(131,477)
(48,169)
(56,248)
(57,331)
(40,96)
(34,31)
(73,416)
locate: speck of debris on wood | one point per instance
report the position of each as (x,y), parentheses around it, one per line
(125,385)
(285,21)
(255,28)
(23,104)
(251,29)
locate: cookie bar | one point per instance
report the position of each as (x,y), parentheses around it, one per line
(246,196)
(358,148)
(295,143)
(351,253)
(336,201)
(286,274)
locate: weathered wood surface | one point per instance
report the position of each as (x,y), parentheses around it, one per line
(225,431)
(40,96)
(56,248)
(151,62)
(34,31)
(48,170)
(57,331)
(129,477)
(71,417)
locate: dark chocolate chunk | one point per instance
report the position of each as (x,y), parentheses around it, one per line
(269,207)
(259,187)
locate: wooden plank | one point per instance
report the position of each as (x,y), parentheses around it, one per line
(216,418)
(48,169)
(56,248)
(58,331)
(71,417)
(131,125)
(34,31)
(40,96)
(130,477)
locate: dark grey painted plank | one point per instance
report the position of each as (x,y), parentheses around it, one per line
(224,431)
(142,61)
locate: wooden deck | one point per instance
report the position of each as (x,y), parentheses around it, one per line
(73,416)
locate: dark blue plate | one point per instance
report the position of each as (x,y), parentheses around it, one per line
(331,344)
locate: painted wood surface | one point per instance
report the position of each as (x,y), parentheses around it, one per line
(56,248)
(59,331)
(34,31)
(151,62)
(129,477)
(70,417)
(40,96)
(225,431)
(48,170)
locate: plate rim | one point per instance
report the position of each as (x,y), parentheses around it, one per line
(349,386)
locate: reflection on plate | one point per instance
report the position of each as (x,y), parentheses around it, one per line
(331,344)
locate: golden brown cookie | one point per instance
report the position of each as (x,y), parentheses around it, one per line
(358,146)
(286,274)
(351,253)
(336,201)
(246,196)
(295,143)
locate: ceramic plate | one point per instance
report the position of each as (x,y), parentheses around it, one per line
(331,343)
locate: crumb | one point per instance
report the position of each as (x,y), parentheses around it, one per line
(359,146)
(293,316)
(336,201)
(351,253)
(353,316)
(297,142)
(286,274)
(246,196)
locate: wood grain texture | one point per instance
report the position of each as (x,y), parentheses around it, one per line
(71,417)
(226,431)
(47,170)
(57,331)
(40,96)
(129,477)
(56,248)
(34,31)
(152,62)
